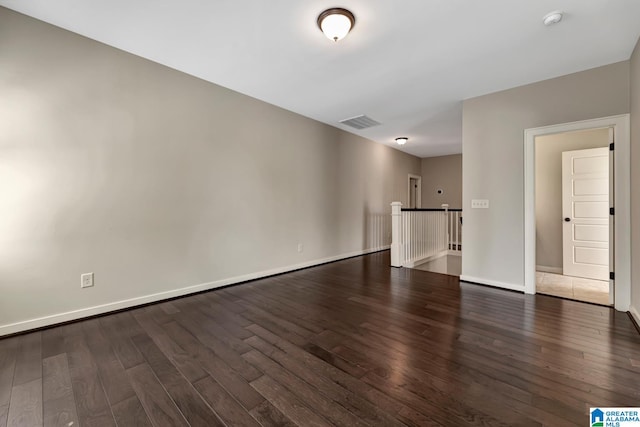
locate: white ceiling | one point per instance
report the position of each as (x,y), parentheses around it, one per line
(407,64)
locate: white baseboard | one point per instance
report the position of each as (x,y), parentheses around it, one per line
(422,260)
(53,319)
(510,286)
(635,314)
(547,269)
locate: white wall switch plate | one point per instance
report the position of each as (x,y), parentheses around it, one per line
(86,280)
(479,204)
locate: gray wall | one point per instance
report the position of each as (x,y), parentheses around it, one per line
(443,172)
(493,159)
(548,161)
(158,181)
(635,181)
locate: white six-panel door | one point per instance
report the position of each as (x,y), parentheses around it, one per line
(585,210)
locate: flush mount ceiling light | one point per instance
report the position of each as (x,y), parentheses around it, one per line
(336,23)
(552,18)
(402,140)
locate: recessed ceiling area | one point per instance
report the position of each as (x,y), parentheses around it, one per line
(407,65)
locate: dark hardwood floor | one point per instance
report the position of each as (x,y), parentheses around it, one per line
(351,343)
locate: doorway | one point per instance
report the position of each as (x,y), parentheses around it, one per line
(620,251)
(572,215)
(415,191)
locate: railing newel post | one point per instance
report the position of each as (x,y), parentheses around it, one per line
(396,235)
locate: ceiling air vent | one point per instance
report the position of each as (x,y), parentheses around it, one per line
(360,122)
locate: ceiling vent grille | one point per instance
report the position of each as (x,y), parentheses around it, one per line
(360,122)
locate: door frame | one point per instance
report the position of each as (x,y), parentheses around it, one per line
(418,178)
(622,196)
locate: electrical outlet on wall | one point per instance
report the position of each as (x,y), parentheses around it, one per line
(86,280)
(300,247)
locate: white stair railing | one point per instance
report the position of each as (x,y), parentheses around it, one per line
(418,235)
(455,231)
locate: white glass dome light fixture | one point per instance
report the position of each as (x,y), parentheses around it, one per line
(336,23)
(552,18)
(402,140)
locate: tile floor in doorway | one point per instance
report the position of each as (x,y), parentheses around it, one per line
(577,288)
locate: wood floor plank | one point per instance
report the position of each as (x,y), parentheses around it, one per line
(25,408)
(476,364)
(233,332)
(28,359)
(169,308)
(288,403)
(130,412)
(119,328)
(159,407)
(4,414)
(7,368)
(190,403)
(184,362)
(281,328)
(279,319)
(112,374)
(154,313)
(92,404)
(282,307)
(269,415)
(52,342)
(332,410)
(336,360)
(225,311)
(227,408)
(352,393)
(216,367)
(226,299)
(232,336)
(438,385)
(231,354)
(59,405)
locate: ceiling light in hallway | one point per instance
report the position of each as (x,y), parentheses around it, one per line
(552,18)
(336,23)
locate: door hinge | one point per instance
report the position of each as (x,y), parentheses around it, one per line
(611,146)
(612,211)
(612,275)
